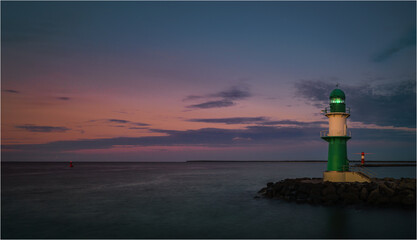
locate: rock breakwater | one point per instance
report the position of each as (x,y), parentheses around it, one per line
(386,192)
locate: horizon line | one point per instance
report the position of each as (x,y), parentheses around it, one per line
(196,161)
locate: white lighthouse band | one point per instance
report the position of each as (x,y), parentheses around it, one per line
(338,124)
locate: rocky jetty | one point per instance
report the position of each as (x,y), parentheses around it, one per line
(386,192)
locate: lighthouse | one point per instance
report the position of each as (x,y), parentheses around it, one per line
(337,136)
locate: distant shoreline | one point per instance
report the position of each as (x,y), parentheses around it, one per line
(390,164)
(257,161)
(372,163)
(298,161)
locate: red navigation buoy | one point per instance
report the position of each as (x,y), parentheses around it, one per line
(71,164)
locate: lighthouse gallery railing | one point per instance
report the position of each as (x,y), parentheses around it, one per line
(325,133)
(327,110)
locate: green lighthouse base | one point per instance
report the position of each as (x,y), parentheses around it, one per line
(337,158)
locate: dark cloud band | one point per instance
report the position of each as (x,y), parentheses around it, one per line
(256,120)
(44,129)
(236,120)
(228,98)
(10,91)
(213,104)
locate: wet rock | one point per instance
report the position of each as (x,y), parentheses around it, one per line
(262,191)
(395,200)
(392,184)
(371,187)
(353,189)
(350,198)
(328,190)
(269,193)
(407,185)
(341,189)
(373,196)
(277,187)
(315,191)
(315,198)
(385,190)
(283,190)
(364,194)
(406,192)
(332,197)
(292,186)
(304,188)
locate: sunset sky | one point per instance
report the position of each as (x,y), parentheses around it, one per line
(177,81)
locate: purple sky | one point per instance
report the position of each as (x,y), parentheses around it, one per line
(177,81)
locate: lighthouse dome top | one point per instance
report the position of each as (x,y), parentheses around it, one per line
(337,93)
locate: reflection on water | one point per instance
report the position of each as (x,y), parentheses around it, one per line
(179,200)
(336,223)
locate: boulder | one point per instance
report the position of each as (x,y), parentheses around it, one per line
(304,188)
(341,189)
(395,200)
(283,190)
(262,191)
(333,197)
(364,194)
(328,190)
(371,187)
(406,192)
(292,186)
(373,196)
(352,189)
(391,185)
(277,187)
(350,198)
(269,193)
(315,198)
(385,190)
(315,191)
(407,185)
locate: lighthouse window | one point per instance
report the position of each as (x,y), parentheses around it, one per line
(337,100)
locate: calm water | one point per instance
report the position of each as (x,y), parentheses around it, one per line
(180,200)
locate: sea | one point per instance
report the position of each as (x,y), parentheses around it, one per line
(188,200)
